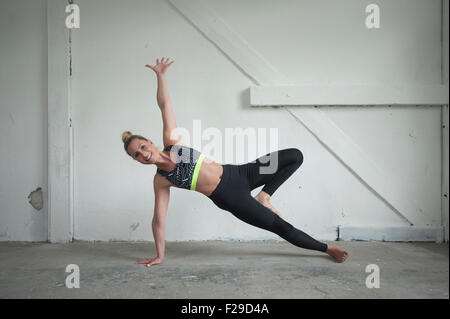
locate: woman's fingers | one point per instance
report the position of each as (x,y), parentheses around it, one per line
(164,60)
(160,66)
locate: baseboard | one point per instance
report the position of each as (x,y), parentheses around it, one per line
(405,233)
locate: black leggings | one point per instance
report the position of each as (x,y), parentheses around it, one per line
(233,194)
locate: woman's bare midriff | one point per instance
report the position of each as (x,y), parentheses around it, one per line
(209,176)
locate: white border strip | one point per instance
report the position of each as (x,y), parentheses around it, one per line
(445,121)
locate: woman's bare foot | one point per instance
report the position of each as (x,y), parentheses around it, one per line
(264,199)
(339,254)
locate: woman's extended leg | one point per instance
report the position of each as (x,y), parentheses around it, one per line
(254,213)
(232,194)
(249,210)
(287,162)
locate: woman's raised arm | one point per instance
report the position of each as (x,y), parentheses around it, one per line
(170,130)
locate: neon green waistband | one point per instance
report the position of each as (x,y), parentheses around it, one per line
(196,171)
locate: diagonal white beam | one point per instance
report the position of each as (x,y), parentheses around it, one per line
(230,43)
(362,166)
(262,73)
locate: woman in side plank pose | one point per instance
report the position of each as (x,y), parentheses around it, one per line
(227,185)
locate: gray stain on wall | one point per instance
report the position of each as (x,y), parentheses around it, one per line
(36,199)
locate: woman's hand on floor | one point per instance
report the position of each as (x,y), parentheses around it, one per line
(150,261)
(160,67)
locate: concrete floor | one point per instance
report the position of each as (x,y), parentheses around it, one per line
(215,269)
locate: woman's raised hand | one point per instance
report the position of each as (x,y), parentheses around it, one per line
(160,67)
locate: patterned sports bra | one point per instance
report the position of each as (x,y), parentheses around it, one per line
(187,166)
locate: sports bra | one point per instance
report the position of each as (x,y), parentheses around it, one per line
(187,166)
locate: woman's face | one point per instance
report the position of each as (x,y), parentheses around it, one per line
(142,151)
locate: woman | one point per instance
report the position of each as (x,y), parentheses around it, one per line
(228,186)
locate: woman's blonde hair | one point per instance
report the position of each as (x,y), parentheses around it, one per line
(127,137)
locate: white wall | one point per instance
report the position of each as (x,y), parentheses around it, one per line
(23,118)
(308,42)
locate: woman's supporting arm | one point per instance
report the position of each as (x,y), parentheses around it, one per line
(162,195)
(159,234)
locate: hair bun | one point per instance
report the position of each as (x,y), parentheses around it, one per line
(126,136)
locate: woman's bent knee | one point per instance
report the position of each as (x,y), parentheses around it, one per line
(297,156)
